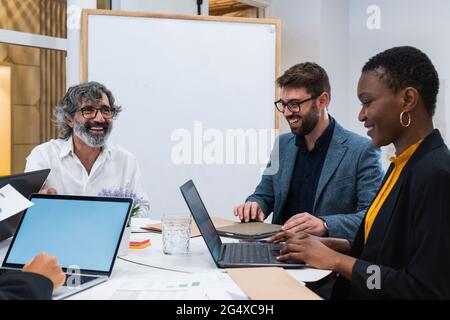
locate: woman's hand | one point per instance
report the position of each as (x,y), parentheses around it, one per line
(308,249)
(339,245)
(316,252)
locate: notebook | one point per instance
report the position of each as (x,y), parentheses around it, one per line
(249,230)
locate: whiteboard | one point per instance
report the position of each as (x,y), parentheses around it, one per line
(188,84)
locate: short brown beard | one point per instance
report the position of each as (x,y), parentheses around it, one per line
(309,121)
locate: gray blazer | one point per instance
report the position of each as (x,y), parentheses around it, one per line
(350,178)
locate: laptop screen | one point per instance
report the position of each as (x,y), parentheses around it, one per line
(26,183)
(202,219)
(80,231)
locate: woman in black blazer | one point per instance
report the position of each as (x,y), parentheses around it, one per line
(402,248)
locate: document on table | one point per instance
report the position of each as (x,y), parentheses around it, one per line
(11,202)
(278,284)
(199,286)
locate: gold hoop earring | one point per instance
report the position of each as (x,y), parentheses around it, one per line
(409,119)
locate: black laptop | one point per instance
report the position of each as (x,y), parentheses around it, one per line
(231,255)
(26,184)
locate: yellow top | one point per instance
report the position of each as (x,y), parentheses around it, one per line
(399,163)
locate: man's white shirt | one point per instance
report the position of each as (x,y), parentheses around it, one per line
(115,169)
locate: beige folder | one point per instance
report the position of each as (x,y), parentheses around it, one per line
(270,284)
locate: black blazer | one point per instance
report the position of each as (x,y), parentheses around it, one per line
(410,238)
(25,285)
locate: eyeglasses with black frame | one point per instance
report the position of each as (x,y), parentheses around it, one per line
(293,105)
(90,112)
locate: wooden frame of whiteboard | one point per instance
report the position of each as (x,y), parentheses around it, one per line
(84,37)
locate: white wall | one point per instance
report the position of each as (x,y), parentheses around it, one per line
(423,24)
(161,6)
(257,3)
(334,34)
(300,30)
(403,22)
(74,9)
(334,55)
(317,31)
(300,33)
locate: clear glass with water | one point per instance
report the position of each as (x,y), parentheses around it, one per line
(176,233)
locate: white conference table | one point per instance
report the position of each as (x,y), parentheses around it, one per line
(171,268)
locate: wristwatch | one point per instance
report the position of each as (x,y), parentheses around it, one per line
(325,225)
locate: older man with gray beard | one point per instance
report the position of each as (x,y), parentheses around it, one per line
(81,160)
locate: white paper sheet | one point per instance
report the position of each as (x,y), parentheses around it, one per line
(200,286)
(11,202)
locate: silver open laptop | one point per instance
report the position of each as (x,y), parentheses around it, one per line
(84,233)
(231,255)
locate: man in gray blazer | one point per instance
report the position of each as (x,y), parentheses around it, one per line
(321,178)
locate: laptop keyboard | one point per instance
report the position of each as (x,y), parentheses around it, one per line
(249,253)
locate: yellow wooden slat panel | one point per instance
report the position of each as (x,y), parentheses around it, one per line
(20,153)
(5,120)
(26,85)
(26,125)
(24,55)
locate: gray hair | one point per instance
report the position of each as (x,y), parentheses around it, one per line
(71,102)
